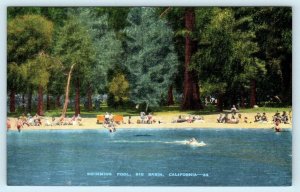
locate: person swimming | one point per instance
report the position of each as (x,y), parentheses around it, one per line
(110,126)
(192,141)
(113,129)
(277,127)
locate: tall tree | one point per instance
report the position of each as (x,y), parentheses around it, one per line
(191,95)
(108,50)
(74,47)
(227,64)
(37,72)
(274,37)
(175,19)
(28,36)
(151,60)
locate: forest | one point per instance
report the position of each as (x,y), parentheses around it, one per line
(147,57)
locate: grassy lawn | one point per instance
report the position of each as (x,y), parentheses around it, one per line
(165,110)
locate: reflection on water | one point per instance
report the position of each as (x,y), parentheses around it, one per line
(159,157)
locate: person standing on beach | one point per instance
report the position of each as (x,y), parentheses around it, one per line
(142,115)
(233,109)
(19,124)
(129,119)
(106,117)
(8,124)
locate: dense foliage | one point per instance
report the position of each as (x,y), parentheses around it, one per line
(240,55)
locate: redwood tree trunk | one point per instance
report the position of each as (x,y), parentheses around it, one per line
(40,101)
(170,96)
(253,93)
(220,102)
(191,96)
(89,99)
(77,98)
(23,102)
(242,101)
(29,99)
(57,102)
(48,102)
(12,101)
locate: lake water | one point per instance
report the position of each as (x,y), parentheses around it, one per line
(150,157)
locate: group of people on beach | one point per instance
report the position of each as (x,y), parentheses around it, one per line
(232,117)
(74,120)
(23,120)
(276,118)
(258,118)
(189,119)
(37,120)
(146,119)
(224,117)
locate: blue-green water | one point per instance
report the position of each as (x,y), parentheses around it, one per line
(231,157)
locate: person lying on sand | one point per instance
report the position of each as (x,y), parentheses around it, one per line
(180,119)
(232,120)
(198,119)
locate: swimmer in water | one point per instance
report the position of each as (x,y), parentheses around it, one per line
(111,127)
(192,141)
(276,127)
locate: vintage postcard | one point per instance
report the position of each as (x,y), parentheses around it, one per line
(149,96)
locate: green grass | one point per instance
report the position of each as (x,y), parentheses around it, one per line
(208,110)
(266,109)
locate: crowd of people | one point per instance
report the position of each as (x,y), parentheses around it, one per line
(74,120)
(231,117)
(37,120)
(258,118)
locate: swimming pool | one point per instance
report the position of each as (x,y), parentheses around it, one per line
(150,157)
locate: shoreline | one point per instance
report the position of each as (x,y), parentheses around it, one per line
(210,122)
(80,128)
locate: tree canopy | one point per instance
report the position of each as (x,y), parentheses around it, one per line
(240,55)
(150,56)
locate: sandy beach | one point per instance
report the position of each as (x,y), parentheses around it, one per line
(166,119)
